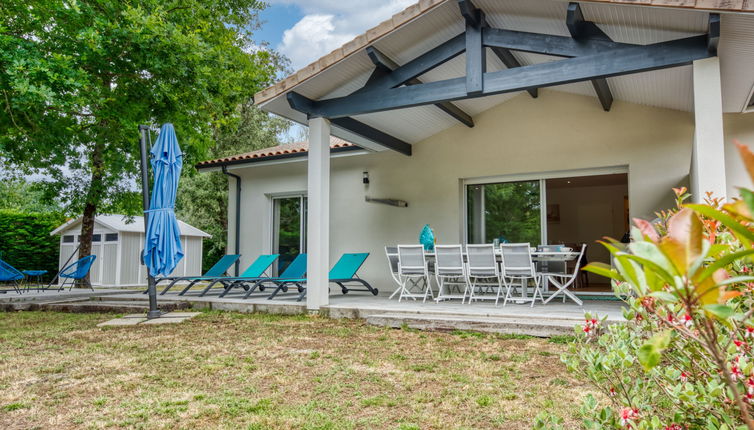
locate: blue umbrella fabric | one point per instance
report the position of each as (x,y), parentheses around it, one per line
(162,249)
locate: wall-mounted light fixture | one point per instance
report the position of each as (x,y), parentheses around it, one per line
(365,178)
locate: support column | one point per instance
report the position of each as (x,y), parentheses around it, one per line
(708,153)
(318,219)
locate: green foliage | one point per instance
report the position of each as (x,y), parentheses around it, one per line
(685,357)
(25,241)
(78,77)
(511,212)
(18,194)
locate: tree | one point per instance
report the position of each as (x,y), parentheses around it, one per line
(78,76)
(25,197)
(202,199)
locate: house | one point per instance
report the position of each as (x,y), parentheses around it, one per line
(118,242)
(520,120)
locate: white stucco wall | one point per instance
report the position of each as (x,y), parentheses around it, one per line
(554,132)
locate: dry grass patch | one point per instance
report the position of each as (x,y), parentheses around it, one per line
(224,370)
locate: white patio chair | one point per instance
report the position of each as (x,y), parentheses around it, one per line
(517,265)
(413,273)
(450,272)
(564,280)
(483,273)
(391,252)
(550,266)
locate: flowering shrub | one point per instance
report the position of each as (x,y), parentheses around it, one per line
(684,359)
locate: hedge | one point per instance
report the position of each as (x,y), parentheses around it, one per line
(25,241)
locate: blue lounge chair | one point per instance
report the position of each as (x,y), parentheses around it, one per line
(254,271)
(9,273)
(77,271)
(215,271)
(342,273)
(295,270)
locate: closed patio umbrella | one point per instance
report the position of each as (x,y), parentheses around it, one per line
(162,245)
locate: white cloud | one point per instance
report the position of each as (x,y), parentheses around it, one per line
(328,24)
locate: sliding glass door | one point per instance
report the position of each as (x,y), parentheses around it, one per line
(289,229)
(508,211)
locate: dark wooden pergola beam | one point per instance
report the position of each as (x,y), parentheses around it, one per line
(547,44)
(475,18)
(420,65)
(305,104)
(386,65)
(617,62)
(582,29)
(476,55)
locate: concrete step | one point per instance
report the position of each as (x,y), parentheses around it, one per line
(504,325)
(88,306)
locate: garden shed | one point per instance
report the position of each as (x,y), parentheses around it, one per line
(117,242)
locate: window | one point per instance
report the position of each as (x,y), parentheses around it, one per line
(111,237)
(96,238)
(507,211)
(68,238)
(289,229)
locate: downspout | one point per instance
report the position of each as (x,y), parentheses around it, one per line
(238,214)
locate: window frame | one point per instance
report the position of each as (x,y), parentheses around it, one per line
(540,176)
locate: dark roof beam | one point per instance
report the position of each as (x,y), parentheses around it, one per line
(582,29)
(383,63)
(618,62)
(306,105)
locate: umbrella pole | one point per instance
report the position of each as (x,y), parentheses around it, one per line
(151,288)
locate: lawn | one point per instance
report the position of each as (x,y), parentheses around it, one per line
(227,370)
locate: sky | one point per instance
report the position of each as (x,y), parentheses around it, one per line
(304,30)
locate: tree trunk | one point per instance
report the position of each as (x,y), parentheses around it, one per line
(93,197)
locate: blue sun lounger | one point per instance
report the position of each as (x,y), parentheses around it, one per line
(253,272)
(215,271)
(342,274)
(295,270)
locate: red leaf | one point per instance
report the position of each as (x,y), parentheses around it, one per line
(647,229)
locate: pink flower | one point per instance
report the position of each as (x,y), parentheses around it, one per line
(735,372)
(688,321)
(684,377)
(591,326)
(627,416)
(749,332)
(612,392)
(675,427)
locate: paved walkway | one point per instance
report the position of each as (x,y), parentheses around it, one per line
(140,319)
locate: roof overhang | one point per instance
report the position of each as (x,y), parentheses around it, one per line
(217,165)
(394,84)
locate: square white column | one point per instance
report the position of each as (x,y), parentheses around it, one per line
(708,153)
(318,219)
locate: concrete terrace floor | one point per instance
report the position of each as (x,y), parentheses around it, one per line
(551,319)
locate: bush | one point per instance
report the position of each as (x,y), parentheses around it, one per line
(25,241)
(684,359)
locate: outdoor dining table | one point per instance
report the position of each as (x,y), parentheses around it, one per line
(538,256)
